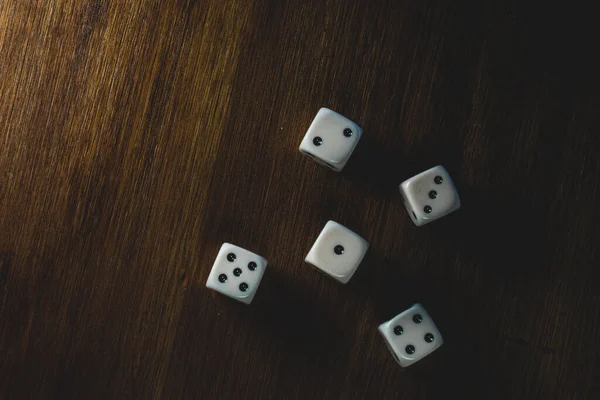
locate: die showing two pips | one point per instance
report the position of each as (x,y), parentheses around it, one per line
(331,139)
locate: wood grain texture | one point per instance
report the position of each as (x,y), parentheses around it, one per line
(137,136)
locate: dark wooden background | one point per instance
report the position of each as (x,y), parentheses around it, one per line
(137,136)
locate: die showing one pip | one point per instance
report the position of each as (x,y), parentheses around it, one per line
(337,251)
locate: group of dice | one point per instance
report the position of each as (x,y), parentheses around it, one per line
(338,251)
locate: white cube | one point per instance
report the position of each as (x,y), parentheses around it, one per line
(236,273)
(411,335)
(430,195)
(337,251)
(331,139)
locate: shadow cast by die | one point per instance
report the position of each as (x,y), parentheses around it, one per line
(389,283)
(503,233)
(293,315)
(375,167)
(470,356)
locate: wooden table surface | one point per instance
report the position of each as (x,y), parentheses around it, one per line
(138,136)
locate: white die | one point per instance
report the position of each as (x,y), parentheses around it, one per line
(430,195)
(408,339)
(236,273)
(331,139)
(337,251)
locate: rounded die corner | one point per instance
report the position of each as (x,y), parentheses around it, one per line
(246,299)
(365,244)
(343,279)
(303,147)
(264,262)
(457,204)
(226,245)
(331,223)
(209,284)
